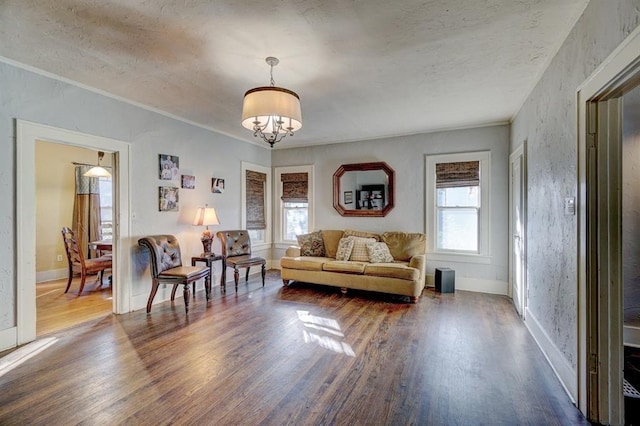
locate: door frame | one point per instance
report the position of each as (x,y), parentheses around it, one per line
(600,307)
(519,154)
(27,133)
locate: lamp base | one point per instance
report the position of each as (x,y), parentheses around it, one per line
(206,243)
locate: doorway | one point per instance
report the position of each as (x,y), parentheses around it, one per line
(27,136)
(59,180)
(600,249)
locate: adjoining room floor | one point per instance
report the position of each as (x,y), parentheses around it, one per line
(305,354)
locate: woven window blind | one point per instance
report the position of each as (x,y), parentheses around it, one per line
(255,189)
(455,175)
(295,187)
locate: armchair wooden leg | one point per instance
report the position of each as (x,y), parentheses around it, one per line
(173,292)
(154,290)
(236,277)
(264,272)
(185,292)
(246,277)
(285,283)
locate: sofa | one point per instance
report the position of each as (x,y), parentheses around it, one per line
(392,262)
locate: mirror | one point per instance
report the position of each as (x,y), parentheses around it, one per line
(364,189)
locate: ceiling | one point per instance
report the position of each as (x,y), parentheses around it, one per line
(363,68)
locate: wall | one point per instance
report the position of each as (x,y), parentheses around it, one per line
(406,155)
(548,122)
(631,210)
(203,153)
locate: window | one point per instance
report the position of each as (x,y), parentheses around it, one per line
(295,207)
(457,191)
(106,208)
(256,205)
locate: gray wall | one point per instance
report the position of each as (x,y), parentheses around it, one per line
(203,153)
(548,121)
(406,155)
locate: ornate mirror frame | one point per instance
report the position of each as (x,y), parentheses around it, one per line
(337,190)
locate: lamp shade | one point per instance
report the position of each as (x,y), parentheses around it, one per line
(97,171)
(264,106)
(206,216)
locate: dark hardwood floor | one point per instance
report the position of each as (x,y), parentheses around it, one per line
(300,355)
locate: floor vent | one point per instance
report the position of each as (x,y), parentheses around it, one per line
(630,391)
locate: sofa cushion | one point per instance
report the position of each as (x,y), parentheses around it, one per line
(345,247)
(306,263)
(379,253)
(403,245)
(392,270)
(345,267)
(363,234)
(359,252)
(311,244)
(331,239)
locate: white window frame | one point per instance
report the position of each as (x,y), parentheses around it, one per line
(266,242)
(279,210)
(484,231)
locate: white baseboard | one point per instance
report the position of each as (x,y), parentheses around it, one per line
(54,274)
(8,338)
(475,284)
(563,369)
(631,336)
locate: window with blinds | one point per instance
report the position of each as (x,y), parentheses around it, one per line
(295,205)
(255,200)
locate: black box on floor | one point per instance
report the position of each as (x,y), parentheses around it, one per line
(445,280)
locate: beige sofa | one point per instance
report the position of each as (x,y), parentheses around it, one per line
(404,275)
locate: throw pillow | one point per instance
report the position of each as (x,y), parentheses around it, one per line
(379,253)
(345,246)
(311,244)
(359,251)
(364,234)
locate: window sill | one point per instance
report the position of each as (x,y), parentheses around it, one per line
(260,246)
(460,258)
(283,245)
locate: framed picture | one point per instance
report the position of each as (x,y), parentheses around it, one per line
(169,167)
(217,185)
(168,199)
(348,197)
(188,182)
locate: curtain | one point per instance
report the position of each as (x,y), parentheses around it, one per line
(294,187)
(455,175)
(255,206)
(86,210)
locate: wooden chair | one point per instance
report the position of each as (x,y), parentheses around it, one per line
(166,268)
(79,265)
(236,253)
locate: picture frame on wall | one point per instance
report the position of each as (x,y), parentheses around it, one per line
(169,167)
(348,197)
(217,185)
(188,182)
(168,199)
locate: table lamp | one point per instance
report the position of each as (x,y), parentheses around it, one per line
(206,216)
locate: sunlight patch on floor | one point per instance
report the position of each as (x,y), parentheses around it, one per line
(24,353)
(325,326)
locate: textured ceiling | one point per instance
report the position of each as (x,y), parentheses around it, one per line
(363,68)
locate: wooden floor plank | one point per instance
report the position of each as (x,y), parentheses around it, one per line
(300,355)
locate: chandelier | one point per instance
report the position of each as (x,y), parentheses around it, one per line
(271,112)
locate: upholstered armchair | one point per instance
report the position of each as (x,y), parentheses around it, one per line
(166,268)
(236,252)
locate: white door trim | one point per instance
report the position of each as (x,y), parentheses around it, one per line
(27,135)
(519,155)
